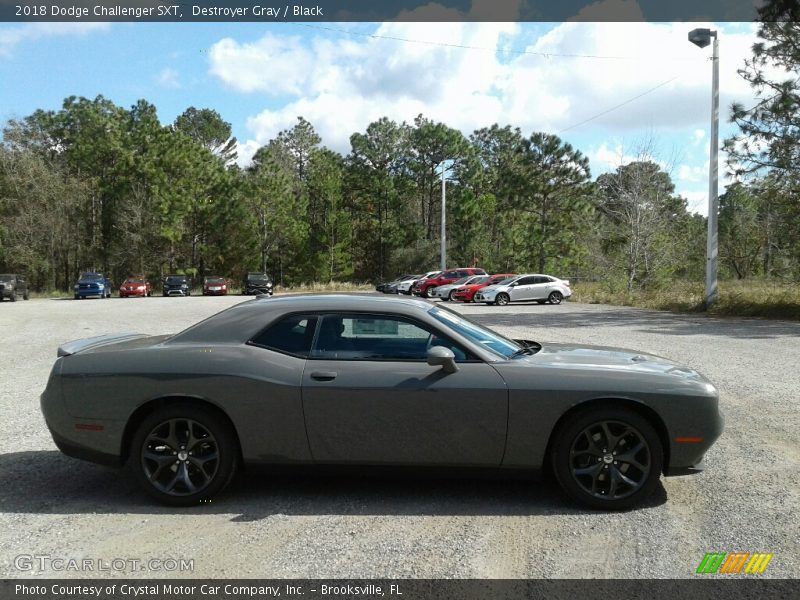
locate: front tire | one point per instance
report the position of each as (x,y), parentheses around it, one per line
(182,455)
(451,297)
(607,458)
(555,297)
(502,299)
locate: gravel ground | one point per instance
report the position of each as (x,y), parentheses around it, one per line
(292,525)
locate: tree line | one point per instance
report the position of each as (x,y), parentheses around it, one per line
(98,186)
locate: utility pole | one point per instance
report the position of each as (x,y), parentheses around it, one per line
(702,38)
(444,221)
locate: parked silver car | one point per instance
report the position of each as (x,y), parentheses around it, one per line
(531,287)
(445,291)
(404,287)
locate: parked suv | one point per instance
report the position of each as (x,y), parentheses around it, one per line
(423,286)
(257,283)
(541,288)
(177,285)
(90,284)
(12,286)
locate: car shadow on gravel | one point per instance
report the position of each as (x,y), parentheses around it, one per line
(645,320)
(47,482)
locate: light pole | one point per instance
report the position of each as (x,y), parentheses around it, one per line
(444,221)
(702,38)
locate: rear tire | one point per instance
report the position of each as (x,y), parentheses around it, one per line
(182,455)
(607,457)
(555,297)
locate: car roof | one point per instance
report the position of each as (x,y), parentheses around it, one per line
(240,322)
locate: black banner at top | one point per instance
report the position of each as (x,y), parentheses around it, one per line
(378,10)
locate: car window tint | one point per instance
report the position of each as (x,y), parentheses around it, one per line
(526,280)
(292,335)
(377,337)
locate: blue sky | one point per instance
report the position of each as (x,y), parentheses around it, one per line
(260,77)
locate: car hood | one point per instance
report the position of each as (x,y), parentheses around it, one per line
(605,358)
(496,288)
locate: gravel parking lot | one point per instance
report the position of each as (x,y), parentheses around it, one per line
(293,525)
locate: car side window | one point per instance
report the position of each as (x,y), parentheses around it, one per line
(526,281)
(377,337)
(293,334)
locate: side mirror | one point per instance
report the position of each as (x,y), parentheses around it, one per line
(512,284)
(439,356)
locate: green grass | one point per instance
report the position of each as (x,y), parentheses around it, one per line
(750,298)
(321,286)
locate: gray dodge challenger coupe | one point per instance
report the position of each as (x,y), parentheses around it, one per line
(361,380)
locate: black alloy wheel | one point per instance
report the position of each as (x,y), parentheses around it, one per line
(183,455)
(607,458)
(555,297)
(502,299)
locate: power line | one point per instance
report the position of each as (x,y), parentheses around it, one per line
(482,48)
(620,105)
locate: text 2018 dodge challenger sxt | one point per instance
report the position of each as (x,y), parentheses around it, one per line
(359,380)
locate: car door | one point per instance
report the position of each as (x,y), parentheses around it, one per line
(369,397)
(524,289)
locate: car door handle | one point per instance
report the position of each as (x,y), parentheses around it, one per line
(323,375)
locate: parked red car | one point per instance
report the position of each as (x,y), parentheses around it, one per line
(467,292)
(423,285)
(135,286)
(215,286)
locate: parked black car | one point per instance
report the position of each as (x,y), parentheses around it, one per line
(90,284)
(257,283)
(177,285)
(12,286)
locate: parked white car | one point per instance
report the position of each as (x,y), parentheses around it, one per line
(444,291)
(541,288)
(404,287)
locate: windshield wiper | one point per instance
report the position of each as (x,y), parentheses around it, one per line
(523,350)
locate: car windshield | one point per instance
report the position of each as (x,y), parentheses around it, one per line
(91,276)
(505,281)
(133,280)
(478,334)
(257,277)
(215,280)
(6,278)
(176,279)
(477,280)
(463,280)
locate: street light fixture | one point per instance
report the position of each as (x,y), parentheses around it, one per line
(702,38)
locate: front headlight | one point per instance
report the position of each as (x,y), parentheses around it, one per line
(184,286)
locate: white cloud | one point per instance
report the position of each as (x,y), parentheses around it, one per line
(11,37)
(448,74)
(274,65)
(168,78)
